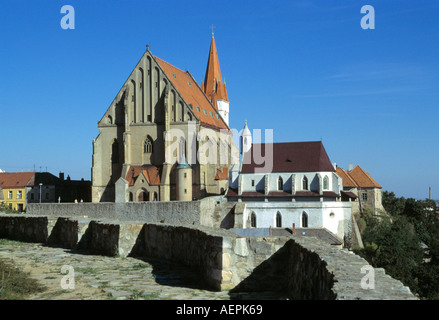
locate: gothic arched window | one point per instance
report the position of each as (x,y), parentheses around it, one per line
(115,152)
(147,146)
(280,184)
(305,183)
(253,220)
(325,183)
(278,220)
(304,220)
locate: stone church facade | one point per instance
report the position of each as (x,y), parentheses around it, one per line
(163,137)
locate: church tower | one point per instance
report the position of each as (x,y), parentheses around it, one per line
(246,140)
(184,180)
(214,85)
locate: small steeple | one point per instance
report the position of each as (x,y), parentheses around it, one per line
(246,139)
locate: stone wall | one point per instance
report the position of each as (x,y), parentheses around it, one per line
(297,267)
(174,212)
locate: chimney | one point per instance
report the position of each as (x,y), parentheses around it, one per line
(61,175)
(294,228)
(351,166)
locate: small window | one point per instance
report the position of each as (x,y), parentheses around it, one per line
(278,220)
(364,196)
(305,183)
(304,220)
(147,147)
(198,109)
(325,183)
(10,195)
(185,191)
(185,174)
(189,83)
(205,112)
(19,194)
(174,76)
(211,114)
(217,116)
(253,220)
(280,184)
(253,183)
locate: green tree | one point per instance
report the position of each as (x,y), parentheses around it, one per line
(393,205)
(394,246)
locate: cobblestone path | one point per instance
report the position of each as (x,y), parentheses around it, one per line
(102,278)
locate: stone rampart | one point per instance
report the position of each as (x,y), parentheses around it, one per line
(174,212)
(298,267)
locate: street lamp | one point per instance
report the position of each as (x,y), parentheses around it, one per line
(40,191)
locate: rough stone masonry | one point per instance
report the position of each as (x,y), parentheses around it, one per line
(300,267)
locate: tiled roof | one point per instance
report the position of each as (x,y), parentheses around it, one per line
(222,174)
(194,95)
(348,182)
(288,157)
(151,173)
(363,179)
(357,178)
(15,179)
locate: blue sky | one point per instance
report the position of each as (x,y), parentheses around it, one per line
(305,69)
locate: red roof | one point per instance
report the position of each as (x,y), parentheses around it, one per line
(348,181)
(363,179)
(214,85)
(15,179)
(222,174)
(151,173)
(288,157)
(194,95)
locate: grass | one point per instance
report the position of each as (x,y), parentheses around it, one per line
(6,242)
(15,284)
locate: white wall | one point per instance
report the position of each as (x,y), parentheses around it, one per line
(259,179)
(331,215)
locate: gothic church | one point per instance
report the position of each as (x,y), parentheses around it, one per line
(155,134)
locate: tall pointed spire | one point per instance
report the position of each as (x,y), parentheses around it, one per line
(213,78)
(213,85)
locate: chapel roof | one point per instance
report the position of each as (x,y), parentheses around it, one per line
(287,157)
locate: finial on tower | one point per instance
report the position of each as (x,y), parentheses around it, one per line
(212,29)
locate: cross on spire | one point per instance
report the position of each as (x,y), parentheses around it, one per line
(212,29)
